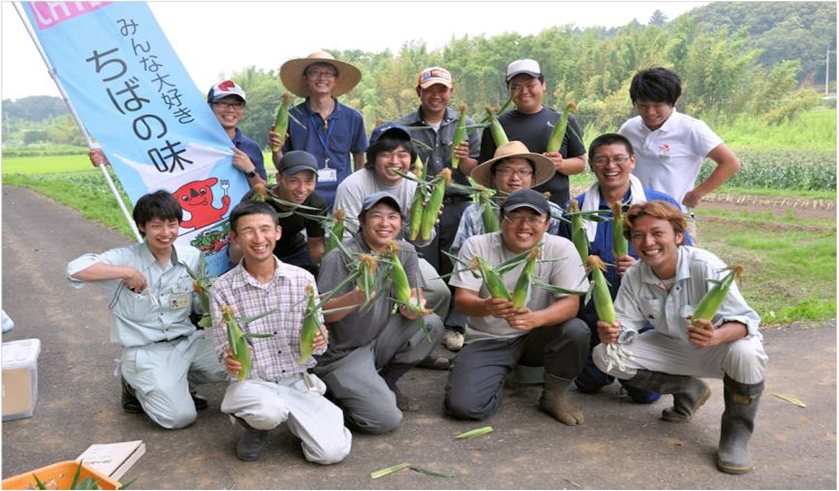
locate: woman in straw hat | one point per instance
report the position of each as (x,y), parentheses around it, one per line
(321,125)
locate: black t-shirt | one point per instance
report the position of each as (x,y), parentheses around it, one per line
(292,241)
(534,131)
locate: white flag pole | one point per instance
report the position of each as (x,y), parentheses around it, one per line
(86,135)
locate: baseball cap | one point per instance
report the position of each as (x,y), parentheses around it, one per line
(224,89)
(526,198)
(528,66)
(380,130)
(434,75)
(375,198)
(297,161)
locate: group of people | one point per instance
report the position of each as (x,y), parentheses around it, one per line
(366,345)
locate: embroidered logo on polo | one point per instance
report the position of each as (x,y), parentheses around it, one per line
(664,151)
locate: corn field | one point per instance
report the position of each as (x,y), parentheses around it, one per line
(782,169)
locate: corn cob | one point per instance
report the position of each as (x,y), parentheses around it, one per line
(602,298)
(578,231)
(459,135)
(524,285)
(498,134)
(558,133)
(496,287)
(432,208)
(417,207)
(366,281)
(260,193)
(401,288)
(712,300)
(620,246)
(310,327)
(238,344)
(336,232)
(489,214)
(281,125)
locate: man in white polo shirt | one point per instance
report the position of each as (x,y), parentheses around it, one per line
(670,146)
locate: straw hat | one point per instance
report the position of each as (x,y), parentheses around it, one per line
(544,168)
(291,73)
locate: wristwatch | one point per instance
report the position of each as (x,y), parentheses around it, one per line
(250,174)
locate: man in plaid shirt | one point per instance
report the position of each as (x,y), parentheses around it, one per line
(277,388)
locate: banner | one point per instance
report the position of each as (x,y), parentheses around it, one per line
(137,100)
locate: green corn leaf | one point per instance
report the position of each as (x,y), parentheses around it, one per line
(38,482)
(389,470)
(126,485)
(251,335)
(248,320)
(791,400)
(76,477)
(474,433)
(428,473)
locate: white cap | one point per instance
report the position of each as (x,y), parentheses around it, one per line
(528,66)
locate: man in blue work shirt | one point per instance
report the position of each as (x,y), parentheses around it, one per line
(321,125)
(151,297)
(227,100)
(612,160)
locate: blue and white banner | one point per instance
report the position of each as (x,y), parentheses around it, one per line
(134,96)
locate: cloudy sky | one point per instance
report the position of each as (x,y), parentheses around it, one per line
(222,37)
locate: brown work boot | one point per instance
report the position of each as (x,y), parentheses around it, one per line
(555,403)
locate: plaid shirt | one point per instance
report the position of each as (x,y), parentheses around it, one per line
(276,357)
(472,223)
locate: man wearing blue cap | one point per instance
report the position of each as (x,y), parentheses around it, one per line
(545,332)
(370,349)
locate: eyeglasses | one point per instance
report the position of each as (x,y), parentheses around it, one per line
(603,161)
(519,172)
(520,220)
(229,105)
(321,73)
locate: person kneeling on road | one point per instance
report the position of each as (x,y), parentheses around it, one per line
(277,388)
(664,288)
(371,349)
(498,337)
(151,294)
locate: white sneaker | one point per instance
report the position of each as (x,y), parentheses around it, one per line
(453,340)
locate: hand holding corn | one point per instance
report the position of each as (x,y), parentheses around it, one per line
(557,160)
(275,140)
(623,263)
(608,333)
(523,319)
(231,364)
(499,307)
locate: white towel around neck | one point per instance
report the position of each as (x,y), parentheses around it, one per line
(591,202)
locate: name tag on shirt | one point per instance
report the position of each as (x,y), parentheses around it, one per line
(180,302)
(327,175)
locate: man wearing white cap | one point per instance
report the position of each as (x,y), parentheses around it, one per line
(324,127)
(532,123)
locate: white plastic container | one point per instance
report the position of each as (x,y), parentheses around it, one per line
(20,378)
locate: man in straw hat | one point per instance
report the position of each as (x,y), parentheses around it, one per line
(532,123)
(545,332)
(327,129)
(513,167)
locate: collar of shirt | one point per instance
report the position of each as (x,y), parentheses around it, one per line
(237,137)
(682,268)
(336,112)
(667,126)
(244,278)
(148,259)
(416,118)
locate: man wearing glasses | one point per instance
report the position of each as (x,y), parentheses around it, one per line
(532,123)
(321,125)
(227,100)
(543,333)
(612,160)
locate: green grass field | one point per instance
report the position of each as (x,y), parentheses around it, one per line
(813,130)
(45,165)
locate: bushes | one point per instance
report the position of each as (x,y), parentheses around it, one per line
(46,150)
(782,169)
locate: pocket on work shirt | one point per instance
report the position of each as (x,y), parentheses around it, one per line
(340,141)
(652,309)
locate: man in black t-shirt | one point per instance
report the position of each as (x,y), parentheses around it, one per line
(532,123)
(296,180)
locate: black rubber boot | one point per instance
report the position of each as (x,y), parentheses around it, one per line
(555,403)
(252,443)
(200,401)
(391,374)
(689,393)
(130,403)
(738,423)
